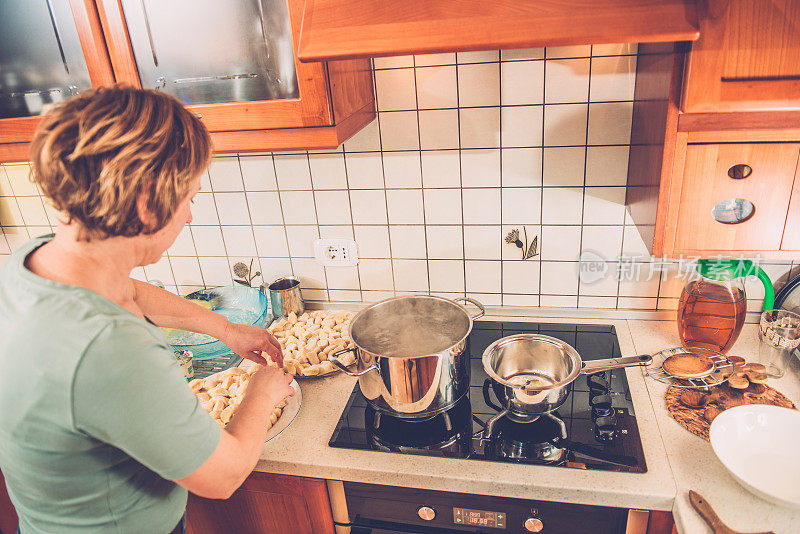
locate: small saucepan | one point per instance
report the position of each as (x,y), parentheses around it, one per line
(537,370)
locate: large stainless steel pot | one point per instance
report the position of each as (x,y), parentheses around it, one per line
(410,354)
(537,371)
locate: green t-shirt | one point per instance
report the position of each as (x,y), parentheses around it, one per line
(96,418)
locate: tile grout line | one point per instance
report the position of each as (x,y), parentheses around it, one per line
(316,224)
(544,143)
(422,189)
(250,217)
(383,177)
(352,221)
(583,188)
(461,179)
(283,218)
(500,128)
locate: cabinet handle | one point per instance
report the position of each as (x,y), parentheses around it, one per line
(198,115)
(733,210)
(740,171)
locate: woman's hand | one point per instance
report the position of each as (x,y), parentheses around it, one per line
(272,383)
(249,341)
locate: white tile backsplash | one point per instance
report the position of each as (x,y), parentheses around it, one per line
(521,82)
(445,242)
(265,207)
(442,206)
(481,206)
(466,148)
(522,167)
(441,168)
(521,126)
(328,171)
(564,166)
(258,173)
(399,130)
(565,125)
(410,275)
(482,242)
(479,127)
(446,275)
(567,81)
(479,85)
(225,174)
(292,171)
(298,207)
(408,242)
(437,87)
(239,240)
(402,170)
(372,241)
(395,89)
(333,207)
(438,129)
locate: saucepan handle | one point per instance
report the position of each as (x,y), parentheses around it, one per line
(333,359)
(598,366)
(474,302)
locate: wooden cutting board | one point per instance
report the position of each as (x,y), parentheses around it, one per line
(693,419)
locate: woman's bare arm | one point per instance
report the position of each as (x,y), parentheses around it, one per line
(242,440)
(171,311)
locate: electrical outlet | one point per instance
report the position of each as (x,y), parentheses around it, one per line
(336,252)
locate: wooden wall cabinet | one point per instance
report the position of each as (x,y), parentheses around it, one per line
(336,98)
(747,57)
(278,504)
(700,109)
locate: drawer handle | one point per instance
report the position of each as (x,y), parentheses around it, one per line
(740,171)
(733,211)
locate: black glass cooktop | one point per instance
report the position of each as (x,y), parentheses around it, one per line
(594,429)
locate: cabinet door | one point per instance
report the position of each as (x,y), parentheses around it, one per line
(278,504)
(8,515)
(232,62)
(726,183)
(747,57)
(48,52)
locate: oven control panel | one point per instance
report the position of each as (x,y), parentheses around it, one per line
(479,518)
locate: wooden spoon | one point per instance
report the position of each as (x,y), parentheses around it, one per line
(711,517)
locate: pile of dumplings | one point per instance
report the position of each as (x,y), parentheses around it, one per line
(221,394)
(307,341)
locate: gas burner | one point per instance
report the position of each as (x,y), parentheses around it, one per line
(534,441)
(447,434)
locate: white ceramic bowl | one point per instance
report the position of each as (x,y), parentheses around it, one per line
(758,445)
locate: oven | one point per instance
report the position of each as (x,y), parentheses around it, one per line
(374,509)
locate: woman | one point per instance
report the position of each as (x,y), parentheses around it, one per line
(99,431)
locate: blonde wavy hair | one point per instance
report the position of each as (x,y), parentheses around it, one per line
(96,153)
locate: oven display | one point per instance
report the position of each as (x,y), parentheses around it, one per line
(479,518)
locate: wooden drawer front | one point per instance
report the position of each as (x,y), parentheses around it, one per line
(706,182)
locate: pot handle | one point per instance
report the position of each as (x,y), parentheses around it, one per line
(474,302)
(487,397)
(345,370)
(598,366)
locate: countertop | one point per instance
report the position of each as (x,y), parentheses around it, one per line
(676,460)
(693,462)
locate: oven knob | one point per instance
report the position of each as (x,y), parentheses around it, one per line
(533,524)
(427,513)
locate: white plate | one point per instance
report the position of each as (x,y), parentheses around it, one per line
(758,445)
(290,411)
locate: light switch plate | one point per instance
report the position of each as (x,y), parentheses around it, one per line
(336,252)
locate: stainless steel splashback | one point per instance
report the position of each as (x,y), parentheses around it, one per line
(41,60)
(209,51)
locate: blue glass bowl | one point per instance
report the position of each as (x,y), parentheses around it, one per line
(240,304)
